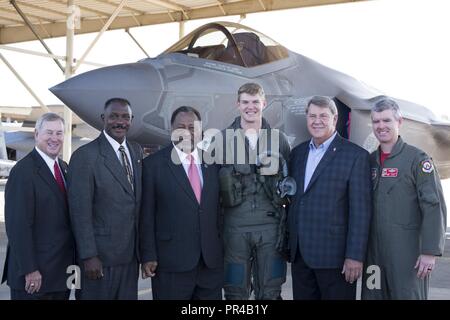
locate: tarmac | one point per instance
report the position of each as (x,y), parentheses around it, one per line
(439,283)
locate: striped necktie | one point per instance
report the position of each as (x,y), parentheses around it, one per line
(126,164)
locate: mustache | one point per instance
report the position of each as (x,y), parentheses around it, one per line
(120,126)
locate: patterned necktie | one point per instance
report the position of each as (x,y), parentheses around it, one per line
(127,166)
(194,178)
(59,178)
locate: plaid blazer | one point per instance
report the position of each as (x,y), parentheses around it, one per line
(329,221)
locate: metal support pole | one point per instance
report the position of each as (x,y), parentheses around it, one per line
(181,29)
(3,152)
(46,55)
(105,27)
(43,106)
(70,34)
(138,44)
(30,25)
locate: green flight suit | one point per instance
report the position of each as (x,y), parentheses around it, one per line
(252,227)
(409,219)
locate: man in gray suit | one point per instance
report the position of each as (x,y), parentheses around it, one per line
(40,241)
(104,200)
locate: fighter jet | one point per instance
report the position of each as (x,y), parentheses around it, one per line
(17,127)
(205,69)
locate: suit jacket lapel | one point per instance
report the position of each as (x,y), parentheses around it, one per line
(179,173)
(206,176)
(302,163)
(112,163)
(46,175)
(328,157)
(63,167)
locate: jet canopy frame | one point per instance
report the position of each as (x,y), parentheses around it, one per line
(230,43)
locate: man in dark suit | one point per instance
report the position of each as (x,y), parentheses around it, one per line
(40,240)
(181,247)
(330,214)
(104,198)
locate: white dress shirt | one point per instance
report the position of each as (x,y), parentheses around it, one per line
(186,162)
(314,156)
(116,147)
(49,161)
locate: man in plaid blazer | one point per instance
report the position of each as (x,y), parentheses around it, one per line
(330,214)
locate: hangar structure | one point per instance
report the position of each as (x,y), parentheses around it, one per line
(26,20)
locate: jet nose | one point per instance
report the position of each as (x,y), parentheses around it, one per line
(85,94)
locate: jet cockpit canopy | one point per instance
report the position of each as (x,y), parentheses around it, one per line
(230,43)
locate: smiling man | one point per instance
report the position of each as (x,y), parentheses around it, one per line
(408,228)
(330,214)
(253,211)
(40,241)
(180,241)
(104,199)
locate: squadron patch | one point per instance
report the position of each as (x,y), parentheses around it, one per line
(374,173)
(427,166)
(389,172)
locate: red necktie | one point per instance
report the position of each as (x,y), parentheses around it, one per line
(194,178)
(59,178)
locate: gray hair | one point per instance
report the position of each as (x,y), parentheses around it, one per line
(388,104)
(46,117)
(323,102)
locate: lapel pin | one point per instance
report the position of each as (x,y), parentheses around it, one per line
(334,149)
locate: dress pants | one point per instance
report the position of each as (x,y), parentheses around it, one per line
(118,283)
(200,283)
(319,284)
(23,295)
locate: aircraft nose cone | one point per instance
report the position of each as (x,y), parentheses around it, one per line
(86,94)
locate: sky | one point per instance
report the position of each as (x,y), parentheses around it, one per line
(400,47)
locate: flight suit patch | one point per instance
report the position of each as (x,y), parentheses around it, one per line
(389,172)
(427,166)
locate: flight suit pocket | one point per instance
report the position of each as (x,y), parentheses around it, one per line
(391,185)
(429,196)
(407,219)
(399,216)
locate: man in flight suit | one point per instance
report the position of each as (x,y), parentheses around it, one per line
(409,218)
(253,211)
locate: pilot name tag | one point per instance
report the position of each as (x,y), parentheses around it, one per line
(389,172)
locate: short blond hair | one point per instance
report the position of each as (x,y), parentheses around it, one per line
(251,88)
